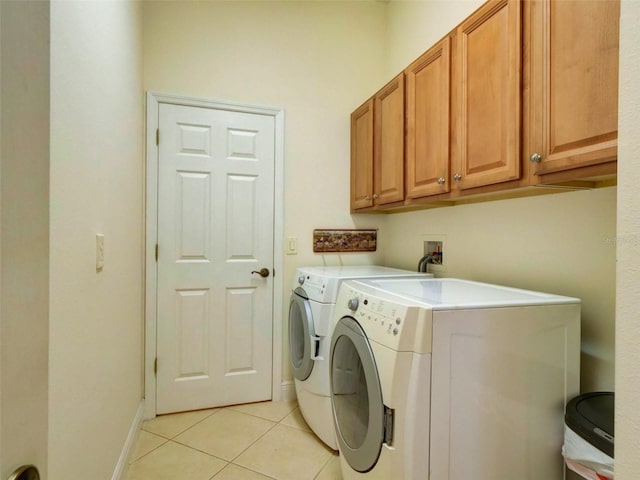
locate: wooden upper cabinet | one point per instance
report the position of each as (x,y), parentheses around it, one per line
(486,96)
(377,148)
(521,93)
(362,156)
(388,152)
(573,115)
(428,122)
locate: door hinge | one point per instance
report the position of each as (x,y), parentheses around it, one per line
(157,136)
(155,366)
(388,425)
(156,252)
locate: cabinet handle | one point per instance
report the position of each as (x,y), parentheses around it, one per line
(367,198)
(441,181)
(457,177)
(535,158)
(375,196)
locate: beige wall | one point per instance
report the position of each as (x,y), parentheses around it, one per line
(413,26)
(24,238)
(628,242)
(317,60)
(96,187)
(563,244)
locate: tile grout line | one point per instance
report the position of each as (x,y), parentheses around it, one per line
(215,411)
(258,416)
(166,440)
(234,458)
(246,468)
(232,462)
(257,439)
(200,451)
(325,465)
(251,444)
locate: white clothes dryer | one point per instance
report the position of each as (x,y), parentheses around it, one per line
(313,298)
(447,379)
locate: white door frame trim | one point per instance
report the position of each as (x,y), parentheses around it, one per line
(151,219)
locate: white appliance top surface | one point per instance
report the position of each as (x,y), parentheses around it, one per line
(321,284)
(453,293)
(356,271)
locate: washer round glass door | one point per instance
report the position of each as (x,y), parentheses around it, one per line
(356,396)
(301,332)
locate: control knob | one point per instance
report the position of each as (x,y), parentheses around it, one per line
(301,279)
(353,304)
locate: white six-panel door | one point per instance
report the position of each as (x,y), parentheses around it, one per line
(215,226)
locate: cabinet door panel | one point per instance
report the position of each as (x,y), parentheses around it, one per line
(575,82)
(487,96)
(362,156)
(428,122)
(389,143)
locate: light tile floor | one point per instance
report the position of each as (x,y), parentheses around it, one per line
(257,441)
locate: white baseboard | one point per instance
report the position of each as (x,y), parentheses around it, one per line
(123,462)
(288,391)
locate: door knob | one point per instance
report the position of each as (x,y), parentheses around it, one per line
(263,272)
(25,472)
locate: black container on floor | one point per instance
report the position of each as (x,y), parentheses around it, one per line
(591,416)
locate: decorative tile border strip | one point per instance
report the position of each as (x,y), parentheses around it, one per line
(344,240)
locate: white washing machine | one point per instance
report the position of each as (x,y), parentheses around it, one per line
(313,298)
(446,379)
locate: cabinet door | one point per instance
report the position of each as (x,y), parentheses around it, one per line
(574,83)
(389,143)
(362,156)
(428,122)
(486,95)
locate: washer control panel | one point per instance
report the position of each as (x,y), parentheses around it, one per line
(385,318)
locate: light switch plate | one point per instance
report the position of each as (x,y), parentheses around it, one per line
(99,252)
(292,245)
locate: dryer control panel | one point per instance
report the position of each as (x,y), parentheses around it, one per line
(386,319)
(317,287)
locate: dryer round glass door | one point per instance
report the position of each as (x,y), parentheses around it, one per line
(356,396)
(302,344)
